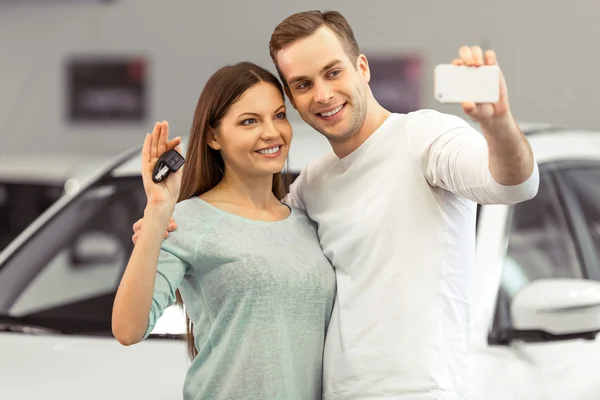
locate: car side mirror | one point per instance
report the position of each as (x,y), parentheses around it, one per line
(94,248)
(557,309)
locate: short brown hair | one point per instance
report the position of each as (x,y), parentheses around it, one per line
(300,25)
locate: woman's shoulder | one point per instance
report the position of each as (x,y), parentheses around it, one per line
(186,206)
(295,210)
(300,215)
(189,212)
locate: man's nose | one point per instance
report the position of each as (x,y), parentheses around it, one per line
(323,93)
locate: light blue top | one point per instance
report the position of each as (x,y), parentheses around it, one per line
(259,295)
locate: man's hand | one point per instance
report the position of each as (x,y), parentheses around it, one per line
(511,160)
(484,113)
(137,228)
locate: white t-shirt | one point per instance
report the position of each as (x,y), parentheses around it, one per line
(397,220)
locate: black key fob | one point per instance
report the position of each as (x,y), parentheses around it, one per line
(168,162)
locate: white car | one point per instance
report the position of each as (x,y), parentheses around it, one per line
(536,299)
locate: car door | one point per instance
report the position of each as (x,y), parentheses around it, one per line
(579,185)
(545,238)
(56,296)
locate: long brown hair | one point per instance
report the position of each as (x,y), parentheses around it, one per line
(204,166)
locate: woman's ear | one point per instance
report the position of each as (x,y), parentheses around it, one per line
(212,140)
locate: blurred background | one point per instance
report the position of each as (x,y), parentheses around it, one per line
(82,82)
(547,52)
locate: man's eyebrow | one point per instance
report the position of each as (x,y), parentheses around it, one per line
(329,65)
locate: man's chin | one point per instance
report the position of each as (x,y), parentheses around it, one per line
(326,129)
(337,134)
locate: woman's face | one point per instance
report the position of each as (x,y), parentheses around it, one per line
(254,135)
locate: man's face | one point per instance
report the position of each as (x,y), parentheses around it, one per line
(327,88)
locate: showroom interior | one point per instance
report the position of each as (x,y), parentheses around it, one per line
(493,274)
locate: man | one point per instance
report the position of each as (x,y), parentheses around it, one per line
(395,208)
(395,205)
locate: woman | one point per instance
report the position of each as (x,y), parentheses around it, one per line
(257,289)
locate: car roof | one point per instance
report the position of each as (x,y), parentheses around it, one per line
(559,144)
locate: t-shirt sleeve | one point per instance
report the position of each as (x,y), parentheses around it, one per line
(455,157)
(294,197)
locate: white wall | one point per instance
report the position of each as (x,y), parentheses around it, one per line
(548,52)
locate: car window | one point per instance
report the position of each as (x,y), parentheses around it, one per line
(540,245)
(582,195)
(20,204)
(69,270)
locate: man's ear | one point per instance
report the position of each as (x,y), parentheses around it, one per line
(289,96)
(212,141)
(362,65)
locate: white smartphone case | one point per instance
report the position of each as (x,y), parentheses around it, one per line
(459,83)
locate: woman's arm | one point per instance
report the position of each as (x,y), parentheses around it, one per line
(134,296)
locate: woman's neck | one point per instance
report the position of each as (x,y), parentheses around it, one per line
(249,191)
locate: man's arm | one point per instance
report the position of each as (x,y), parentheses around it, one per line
(510,156)
(496,168)
(294,197)
(511,160)
(457,158)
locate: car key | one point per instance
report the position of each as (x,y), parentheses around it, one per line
(169,161)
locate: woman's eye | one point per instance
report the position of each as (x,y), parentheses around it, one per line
(249,121)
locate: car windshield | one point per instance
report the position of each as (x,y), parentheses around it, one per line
(21,203)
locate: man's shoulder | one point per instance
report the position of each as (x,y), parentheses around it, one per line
(424,120)
(427,124)
(314,174)
(429,116)
(321,163)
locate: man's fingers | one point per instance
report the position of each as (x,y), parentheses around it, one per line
(469,108)
(138,225)
(490,57)
(135,236)
(465,54)
(477,54)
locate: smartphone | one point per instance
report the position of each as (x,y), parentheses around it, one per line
(461,83)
